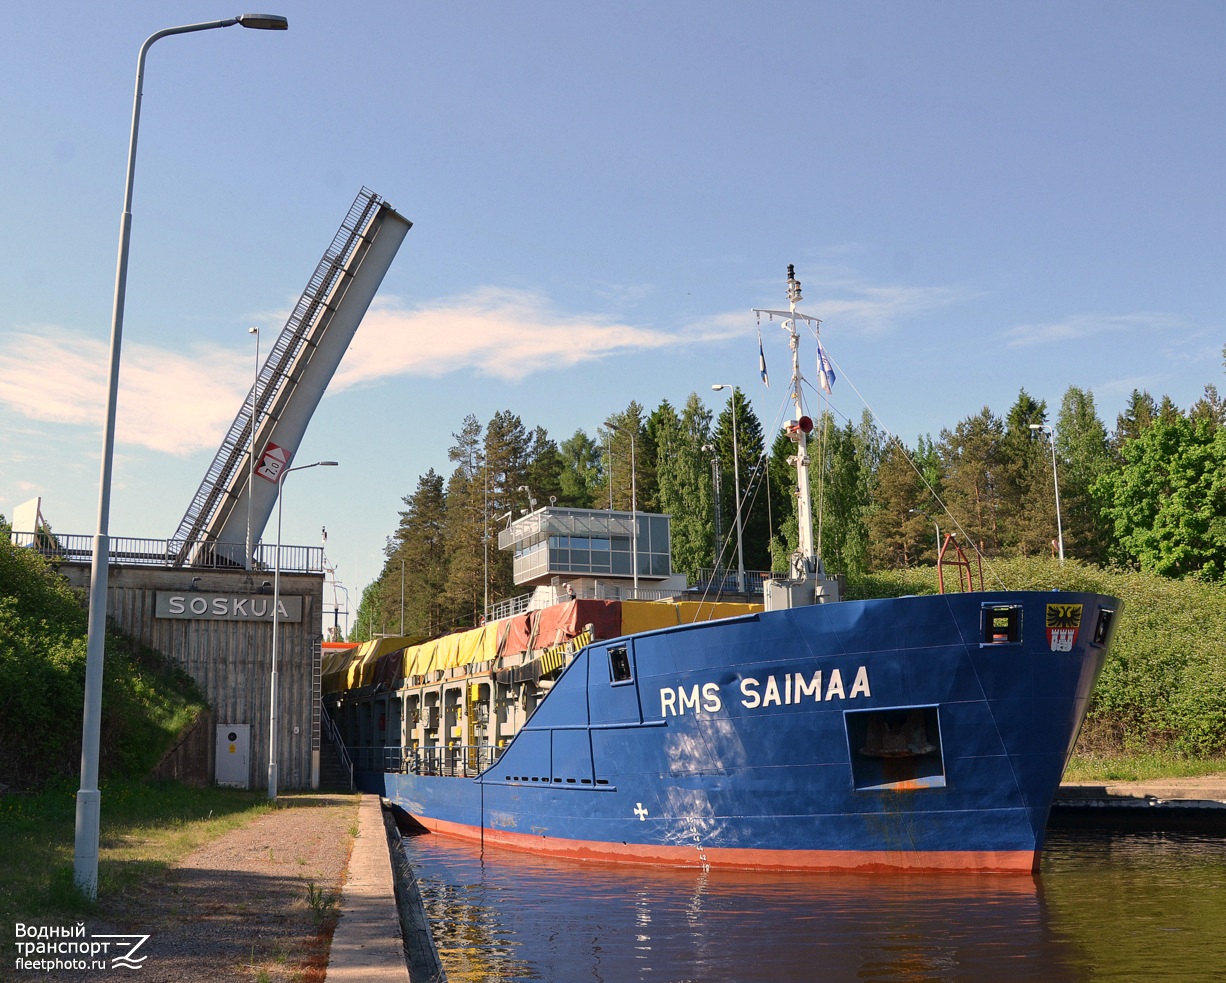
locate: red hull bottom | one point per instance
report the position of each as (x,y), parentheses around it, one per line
(816,861)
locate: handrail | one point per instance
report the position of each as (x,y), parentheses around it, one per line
(724,580)
(334,735)
(128,550)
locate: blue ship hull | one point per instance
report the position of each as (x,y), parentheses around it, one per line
(919,733)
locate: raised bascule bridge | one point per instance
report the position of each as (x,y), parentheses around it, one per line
(204,597)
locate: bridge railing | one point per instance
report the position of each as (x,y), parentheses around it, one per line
(130,551)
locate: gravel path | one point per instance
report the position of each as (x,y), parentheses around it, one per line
(239,908)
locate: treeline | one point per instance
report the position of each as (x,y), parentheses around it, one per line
(1149,495)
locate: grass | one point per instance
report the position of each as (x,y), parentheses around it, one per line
(146,828)
(322,905)
(1148,766)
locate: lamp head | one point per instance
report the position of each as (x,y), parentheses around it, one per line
(263,22)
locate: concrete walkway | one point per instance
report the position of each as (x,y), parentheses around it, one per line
(367,944)
(1204,792)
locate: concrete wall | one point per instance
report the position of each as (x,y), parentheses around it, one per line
(231,660)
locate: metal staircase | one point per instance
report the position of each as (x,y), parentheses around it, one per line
(275,384)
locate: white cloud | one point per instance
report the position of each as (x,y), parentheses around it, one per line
(504,334)
(1077,326)
(177,402)
(180,402)
(840,296)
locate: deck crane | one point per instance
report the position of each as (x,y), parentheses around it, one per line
(288,388)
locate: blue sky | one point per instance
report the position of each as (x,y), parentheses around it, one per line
(978,198)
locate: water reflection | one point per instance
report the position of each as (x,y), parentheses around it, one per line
(508,916)
(1141,906)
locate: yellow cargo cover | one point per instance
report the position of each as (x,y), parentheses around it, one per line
(690,611)
(640,616)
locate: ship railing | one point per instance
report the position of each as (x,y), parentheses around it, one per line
(725,581)
(508,608)
(452,761)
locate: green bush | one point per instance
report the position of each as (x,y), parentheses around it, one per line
(43,626)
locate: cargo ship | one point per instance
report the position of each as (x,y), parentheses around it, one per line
(806,732)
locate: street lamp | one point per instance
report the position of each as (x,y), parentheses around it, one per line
(634,506)
(251,456)
(276,618)
(85,857)
(736,477)
(1051,437)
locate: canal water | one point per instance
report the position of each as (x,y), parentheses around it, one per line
(1107,905)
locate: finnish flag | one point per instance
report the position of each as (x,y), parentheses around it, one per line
(825,371)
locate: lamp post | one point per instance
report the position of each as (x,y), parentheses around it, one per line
(634,505)
(719,533)
(736,477)
(249,562)
(276,618)
(609,476)
(85,857)
(1051,437)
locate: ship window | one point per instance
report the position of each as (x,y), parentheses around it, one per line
(1002,624)
(619,664)
(1102,627)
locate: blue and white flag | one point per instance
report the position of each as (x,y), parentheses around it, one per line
(762,360)
(825,371)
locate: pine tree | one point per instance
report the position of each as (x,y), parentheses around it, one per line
(897,522)
(1027,507)
(544,467)
(842,500)
(1137,416)
(754,511)
(633,475)
(422,548)
(970,454)
(581,471)
(684,482)
(1209,407)
(465,527)
(1084,456)
(514,485)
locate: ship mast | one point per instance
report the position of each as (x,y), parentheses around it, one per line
(808,583)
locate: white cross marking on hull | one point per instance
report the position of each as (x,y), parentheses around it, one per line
(640,812)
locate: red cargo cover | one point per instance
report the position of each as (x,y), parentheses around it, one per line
(557,624)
